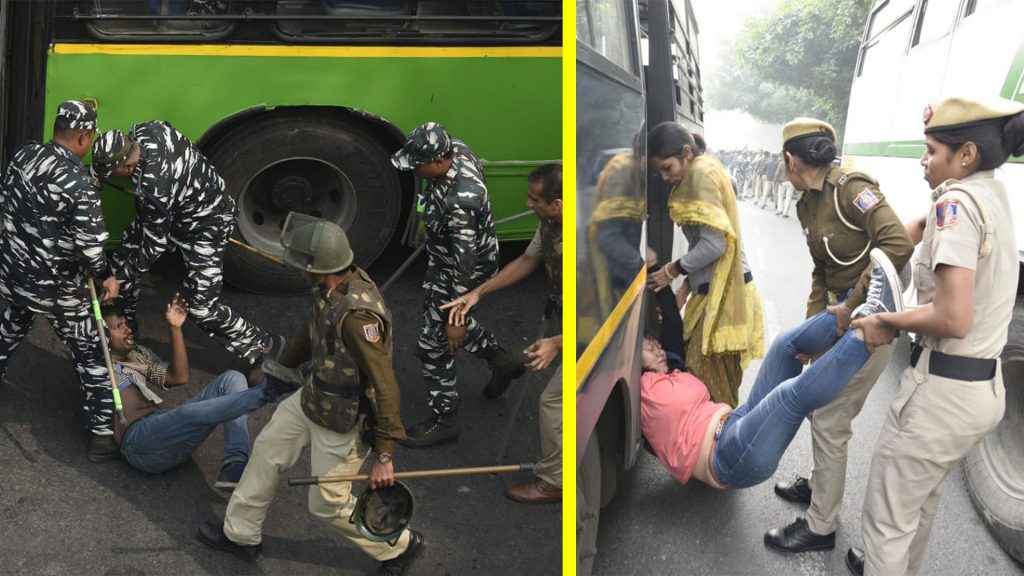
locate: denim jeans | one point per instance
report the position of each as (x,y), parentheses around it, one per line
(166,438)
(758,432)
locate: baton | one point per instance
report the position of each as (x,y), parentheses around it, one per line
(106,351)
(415,474)
(412,257)
(549,310)
(256,251)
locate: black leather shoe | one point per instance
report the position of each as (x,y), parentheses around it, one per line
(213,536)
(436,429)
(855,561)
(505,368)
(797,537)
(400,564)
(798,491)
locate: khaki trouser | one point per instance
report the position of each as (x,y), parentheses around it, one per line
(931,425)
(549,469)
(831,430)
(276,450)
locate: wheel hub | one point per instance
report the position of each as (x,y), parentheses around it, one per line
(292,194)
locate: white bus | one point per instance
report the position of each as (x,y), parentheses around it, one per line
(915,52)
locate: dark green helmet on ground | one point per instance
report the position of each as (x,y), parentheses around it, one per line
(382,514)
(315,245)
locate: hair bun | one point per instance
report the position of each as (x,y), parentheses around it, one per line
(1013,135)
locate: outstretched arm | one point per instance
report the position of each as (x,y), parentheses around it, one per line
(177,312)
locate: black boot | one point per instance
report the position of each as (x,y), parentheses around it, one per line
(213,536)
(438,428)
(505,368)
(400,564)
(855,561)
(103,449)
(798,491)
(797,537)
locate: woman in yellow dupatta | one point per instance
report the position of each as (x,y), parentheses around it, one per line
(722,321)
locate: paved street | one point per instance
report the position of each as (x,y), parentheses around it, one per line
(656,526)
(64,515)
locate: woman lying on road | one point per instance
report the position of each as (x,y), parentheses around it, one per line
(725,448)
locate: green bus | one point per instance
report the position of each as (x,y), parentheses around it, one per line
(299,103)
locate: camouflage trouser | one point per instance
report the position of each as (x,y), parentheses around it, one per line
(432,346)
(78,333)
(203,253)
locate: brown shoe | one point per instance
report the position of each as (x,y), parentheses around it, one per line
(534,491)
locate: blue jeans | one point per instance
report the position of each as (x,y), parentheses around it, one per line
(757,433)
(166,438)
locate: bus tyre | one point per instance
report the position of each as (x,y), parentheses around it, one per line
(326,165)
(588,506)
(995,468)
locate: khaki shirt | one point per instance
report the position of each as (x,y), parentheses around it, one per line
(840,259)
(953,236)
(375,367)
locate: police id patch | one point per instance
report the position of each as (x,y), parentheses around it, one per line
(372,332)
(866,200)
(946,213)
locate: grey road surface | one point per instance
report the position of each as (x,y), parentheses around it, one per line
(63,515)
(656,526)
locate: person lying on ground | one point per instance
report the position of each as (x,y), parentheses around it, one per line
(724,448)
(154,439)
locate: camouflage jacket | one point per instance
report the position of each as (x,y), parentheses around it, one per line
(179,195)
(52,232)
(348,340)
(459,224)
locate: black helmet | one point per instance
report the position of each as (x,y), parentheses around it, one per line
(382,514)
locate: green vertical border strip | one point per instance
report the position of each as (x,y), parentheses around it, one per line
(1012,86)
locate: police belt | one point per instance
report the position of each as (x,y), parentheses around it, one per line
(955,367)
(706,287)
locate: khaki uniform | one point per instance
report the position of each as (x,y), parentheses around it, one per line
(547,245)
(841,265)
(352,390)
(935,420)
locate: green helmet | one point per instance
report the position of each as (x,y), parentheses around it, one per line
(382,514)
(315,245)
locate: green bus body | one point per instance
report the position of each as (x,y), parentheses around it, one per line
(504,102)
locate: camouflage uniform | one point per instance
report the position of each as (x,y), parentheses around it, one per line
(52,237)
(463,252)
(181,201)
(350,394)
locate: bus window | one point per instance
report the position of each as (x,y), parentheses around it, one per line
(601,24)
(890,42)
(500,21)
(975,6)
(124,21)
(935,19)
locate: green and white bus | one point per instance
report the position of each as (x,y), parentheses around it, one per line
(915,52)
(298,103)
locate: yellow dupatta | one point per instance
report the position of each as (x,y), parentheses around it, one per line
(705,198)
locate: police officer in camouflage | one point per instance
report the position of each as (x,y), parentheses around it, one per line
(544,197)
(463,252)
(181,201)
(51,239)
(348,403)
(844,216)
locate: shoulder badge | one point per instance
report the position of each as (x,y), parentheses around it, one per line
(866,200)
(372,332)
(946,213)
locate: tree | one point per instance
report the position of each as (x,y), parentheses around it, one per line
(797,60)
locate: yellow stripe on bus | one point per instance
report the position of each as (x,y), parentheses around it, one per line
(312,51)
(597,345)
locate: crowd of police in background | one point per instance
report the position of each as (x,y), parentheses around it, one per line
(348,399)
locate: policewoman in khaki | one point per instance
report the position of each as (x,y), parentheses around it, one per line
(843,215)
(952,394)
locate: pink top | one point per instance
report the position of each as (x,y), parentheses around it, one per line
(676,410)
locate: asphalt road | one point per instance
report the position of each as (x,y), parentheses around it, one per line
(656,526)
(65,515)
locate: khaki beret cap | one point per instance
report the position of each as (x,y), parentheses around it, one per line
(803,127)
(954,113)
